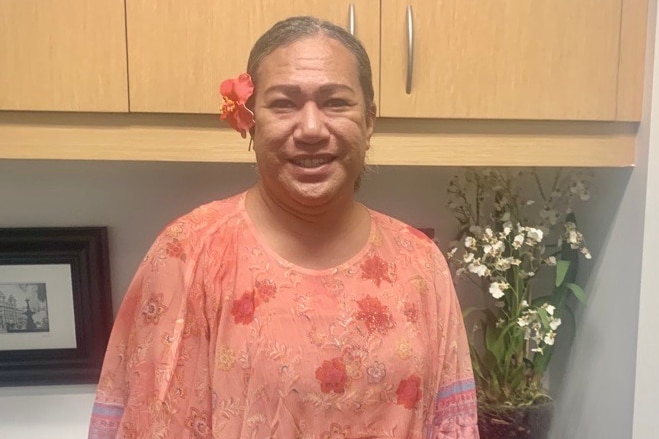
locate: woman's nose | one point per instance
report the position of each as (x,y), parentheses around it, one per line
(311,127)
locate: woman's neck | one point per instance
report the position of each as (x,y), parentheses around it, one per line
(317,237)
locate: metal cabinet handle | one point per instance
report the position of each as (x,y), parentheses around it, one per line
(351,19)
(410,50)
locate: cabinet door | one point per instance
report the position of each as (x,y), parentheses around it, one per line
(504,59)
(180,51)
(63,55)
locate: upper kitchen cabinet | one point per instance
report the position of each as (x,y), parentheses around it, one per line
(63,55)
(180,51)
(505,59)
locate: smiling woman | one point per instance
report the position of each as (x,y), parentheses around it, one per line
(291,310)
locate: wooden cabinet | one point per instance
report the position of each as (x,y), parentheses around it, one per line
(63,55)
(180,51)
(504,59)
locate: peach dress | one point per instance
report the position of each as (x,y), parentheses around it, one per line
(219,337)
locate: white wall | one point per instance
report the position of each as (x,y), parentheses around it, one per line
(646,401)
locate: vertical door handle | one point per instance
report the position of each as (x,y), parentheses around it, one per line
(410,50)
(351,19)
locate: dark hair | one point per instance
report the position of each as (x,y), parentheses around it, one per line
(296,28)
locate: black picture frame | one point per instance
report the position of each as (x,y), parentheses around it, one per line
(66,342)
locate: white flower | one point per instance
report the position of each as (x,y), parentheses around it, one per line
(549,338)
(499,247)
(518,241)
(554,324)
(497,289)
(538,350)
(507,228)
(549,308)
(551,261)
(470,242)
(478,269)
(487,249)
(523,321)
(586,254)
(534,234)
(524,304)
(489,233)
(468,257)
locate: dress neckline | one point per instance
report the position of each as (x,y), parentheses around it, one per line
(353,260)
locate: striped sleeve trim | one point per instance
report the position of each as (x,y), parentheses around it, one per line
(455,404)
(105,421)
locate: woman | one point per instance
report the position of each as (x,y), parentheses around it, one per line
(291,310)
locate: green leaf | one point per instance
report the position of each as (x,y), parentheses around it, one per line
(578,292)
(494,345)
(562,267)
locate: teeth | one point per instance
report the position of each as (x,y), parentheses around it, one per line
(312,162)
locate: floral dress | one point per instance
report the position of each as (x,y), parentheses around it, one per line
(219,337)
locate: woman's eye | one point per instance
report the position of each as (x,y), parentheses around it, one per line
(282,103)
(336,103)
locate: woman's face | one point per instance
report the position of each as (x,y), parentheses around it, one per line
(312,129)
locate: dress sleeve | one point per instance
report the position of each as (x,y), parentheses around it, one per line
(453,409)
(155,381)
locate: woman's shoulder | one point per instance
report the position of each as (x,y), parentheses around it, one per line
(205,221)
(395,228)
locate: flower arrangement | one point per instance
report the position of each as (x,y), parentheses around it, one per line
(235,92)
(521,251)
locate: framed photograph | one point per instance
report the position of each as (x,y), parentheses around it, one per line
(55,305)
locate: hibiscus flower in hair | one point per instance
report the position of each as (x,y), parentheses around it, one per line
(235,93)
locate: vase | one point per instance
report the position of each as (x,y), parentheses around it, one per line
(505,422)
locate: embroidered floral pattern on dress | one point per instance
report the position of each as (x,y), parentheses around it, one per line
(409,392)
(404,349)
(332,376)
(198,424)
(174,249)
(419,284)
(411,312)
(243,308)
(225,358)
(336,431)
(377,270)
(265,290)
(376,372)
(375,315)
(153,309)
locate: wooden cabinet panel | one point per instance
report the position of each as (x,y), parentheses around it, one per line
(63,55)
(180,51)
(504,59)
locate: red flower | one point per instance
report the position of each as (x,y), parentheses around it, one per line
(235,93)
(243,308)
(376,269)
(332,376)
(409,392)
(375,315)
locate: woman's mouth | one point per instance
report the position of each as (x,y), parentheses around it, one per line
(311,162)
